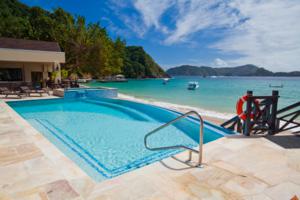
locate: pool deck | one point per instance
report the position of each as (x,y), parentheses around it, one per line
(235,168)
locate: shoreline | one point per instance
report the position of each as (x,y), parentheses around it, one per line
(208,115)
(214,117)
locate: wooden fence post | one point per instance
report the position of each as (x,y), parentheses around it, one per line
(247,126)
(273,127)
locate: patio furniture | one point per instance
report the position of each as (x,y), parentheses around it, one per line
(28,91)
(6,92)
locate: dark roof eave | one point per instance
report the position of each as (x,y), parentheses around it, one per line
(12,43)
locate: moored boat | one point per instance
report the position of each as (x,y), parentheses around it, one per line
(276,86)
(83,80)
(165,81)
(193,85)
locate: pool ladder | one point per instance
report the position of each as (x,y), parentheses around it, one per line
(191,150)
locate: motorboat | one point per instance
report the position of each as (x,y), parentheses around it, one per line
(276,86)
(193,85)
(83,80)
(165,81)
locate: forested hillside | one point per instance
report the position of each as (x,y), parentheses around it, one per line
(139,64)
(244,70)
(89,49)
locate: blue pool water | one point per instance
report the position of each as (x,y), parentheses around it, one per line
(105,136)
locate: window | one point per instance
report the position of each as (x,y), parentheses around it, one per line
(10,74)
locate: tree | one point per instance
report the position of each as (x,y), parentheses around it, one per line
(138,64)
(77,46)
(41,25)
(63,23)
(118,56)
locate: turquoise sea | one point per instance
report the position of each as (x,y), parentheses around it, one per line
(216,94)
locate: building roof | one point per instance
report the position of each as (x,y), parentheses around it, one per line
(12,43)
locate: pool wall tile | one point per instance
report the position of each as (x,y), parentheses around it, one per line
(102,93)
(91,93)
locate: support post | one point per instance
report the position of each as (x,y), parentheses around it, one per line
(273,126)
(239,126)
(247,126)
(57,69)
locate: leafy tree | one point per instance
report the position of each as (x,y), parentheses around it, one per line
(63,23)
(76,46)
(118,56)
(41,24)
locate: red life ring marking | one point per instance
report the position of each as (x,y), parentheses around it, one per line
(239,108)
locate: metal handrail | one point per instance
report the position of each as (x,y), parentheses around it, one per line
(180,146)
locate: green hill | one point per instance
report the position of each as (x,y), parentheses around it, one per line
(244,70)
(139,64)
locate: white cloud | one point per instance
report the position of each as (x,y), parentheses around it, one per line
(152,10)
(218,62)
(197,15)
(262,32)
(270,37)
(134,24)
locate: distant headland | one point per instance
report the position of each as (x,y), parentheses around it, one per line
(244,70)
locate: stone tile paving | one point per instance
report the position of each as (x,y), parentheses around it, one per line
(235,168)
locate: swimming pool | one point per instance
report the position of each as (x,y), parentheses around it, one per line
(105,136)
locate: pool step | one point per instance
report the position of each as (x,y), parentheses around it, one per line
(134,113)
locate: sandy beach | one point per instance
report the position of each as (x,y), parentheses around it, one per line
(211,116)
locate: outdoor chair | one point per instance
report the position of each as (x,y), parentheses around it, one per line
(28,91)
(6,92)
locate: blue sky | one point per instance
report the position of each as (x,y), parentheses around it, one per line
(217,33)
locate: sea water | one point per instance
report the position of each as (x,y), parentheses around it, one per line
(217,94)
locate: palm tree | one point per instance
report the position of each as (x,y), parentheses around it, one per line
(77,45)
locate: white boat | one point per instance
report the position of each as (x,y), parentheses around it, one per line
(83,80)
(276,86)
(166,80)
(193,85)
